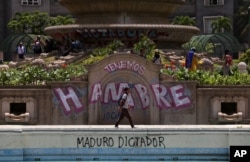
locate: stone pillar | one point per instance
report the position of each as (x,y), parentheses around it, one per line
(216,107)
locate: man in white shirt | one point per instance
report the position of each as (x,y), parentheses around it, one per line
(124,109)
(21,50)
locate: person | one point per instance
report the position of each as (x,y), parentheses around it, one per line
(21,51)
(194,63)
(189,58)
(75,45)
(49,45)
(142,53)
(38,45)
(227,63)
(124,106)
(157,58)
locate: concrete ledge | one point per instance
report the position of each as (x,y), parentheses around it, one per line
(197,128)
(104,142)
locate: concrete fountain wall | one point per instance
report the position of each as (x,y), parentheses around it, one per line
(105,143)
(155,98)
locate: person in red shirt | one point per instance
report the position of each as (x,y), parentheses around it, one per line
(227,63)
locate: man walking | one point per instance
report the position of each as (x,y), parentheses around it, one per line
(124,106)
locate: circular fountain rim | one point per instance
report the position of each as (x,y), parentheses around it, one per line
(61,28)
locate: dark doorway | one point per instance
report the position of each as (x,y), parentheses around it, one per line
(17,108)
(229,108)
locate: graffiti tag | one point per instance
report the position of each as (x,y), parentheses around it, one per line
(165,97)
(121,142)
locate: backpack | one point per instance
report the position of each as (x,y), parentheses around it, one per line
(119,102)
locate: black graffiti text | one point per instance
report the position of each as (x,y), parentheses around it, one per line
(121,142)
(95,142)
(141,142)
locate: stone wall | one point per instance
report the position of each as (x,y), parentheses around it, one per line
(210,99)
(106,143)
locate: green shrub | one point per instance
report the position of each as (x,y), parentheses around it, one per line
(208,78)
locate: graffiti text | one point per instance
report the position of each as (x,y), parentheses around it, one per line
(121,142)
(125,65)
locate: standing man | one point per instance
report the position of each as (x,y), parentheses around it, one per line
(124,106)
(38,45)
(21,50)
(157,58)
(227,63)
(189,58)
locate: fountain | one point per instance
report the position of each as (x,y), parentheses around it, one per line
(101,21)
(71,121)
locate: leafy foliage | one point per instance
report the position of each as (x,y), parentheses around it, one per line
(35,22)
(37,75)
(183,20)
(100,53)
(145,44)
(108,49)
(208,78)
(245,57)
(242,17)
(209,47)
(221,24)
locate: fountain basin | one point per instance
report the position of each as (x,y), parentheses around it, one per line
(164,35)
(121,11)
(102,21)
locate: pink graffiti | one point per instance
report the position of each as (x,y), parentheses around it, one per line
(125,65)
(69,100)
(160,92)
(179,100)
(165,97)
(110,93)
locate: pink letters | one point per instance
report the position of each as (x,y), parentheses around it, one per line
(125,65)
(178,96)
(143,95)
(165,98)
(69,100)
(160,93)
(172,97)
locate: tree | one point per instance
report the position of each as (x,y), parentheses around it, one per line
(61,20)
(183,20)
(35,22)
(146,45)
(221,25)
(242,17)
